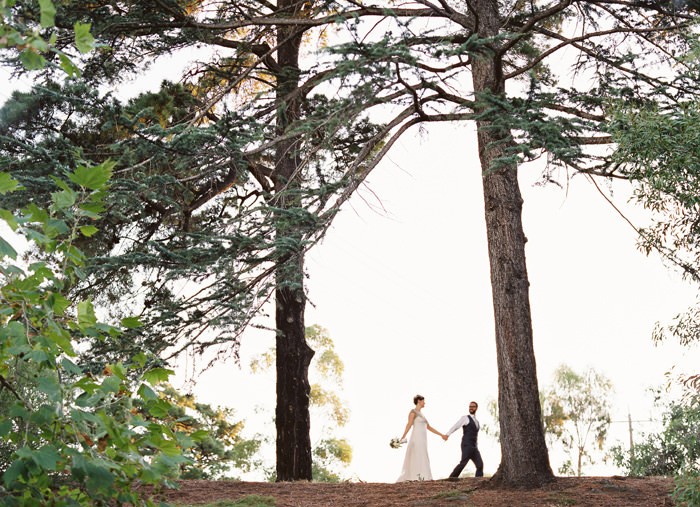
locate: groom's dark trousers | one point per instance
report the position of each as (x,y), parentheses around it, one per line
(469,450)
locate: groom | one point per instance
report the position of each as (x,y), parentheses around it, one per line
(470,451)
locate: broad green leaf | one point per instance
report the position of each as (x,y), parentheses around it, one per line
(13,472)
(41,271)
(131,323)
(84,40)
(156,375)
(159,408)
(88,400)
(46,457)
(118,370)
(5,427)
(48,13)
(75,255)
(8,183)
(10,218)
(50,387)
(199,435)
(88,230)
(17,410)
(24,452)
(38,238)
(36,214)
(68,66)
(99,478)
(6,250)
(86,384)
(39,356)
(147,393)
(86,314)
(32,60)
(91,210)
(54,227)
(59,304)
(140,359)
(111,384)
(62,184)
(62,338)
(169,448)
(71,367)
(94,177)
(107,329)
(63,199)
(43,417)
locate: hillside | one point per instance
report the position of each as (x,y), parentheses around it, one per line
(469,492)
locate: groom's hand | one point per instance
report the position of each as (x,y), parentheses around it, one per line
(445,437)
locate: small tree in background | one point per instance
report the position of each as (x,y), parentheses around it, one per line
(576,413)
(675,449)
(330,454)
(219,449)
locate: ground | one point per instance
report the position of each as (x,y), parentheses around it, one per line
(468,492)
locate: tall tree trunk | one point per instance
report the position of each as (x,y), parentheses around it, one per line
(293,353)
(524,455)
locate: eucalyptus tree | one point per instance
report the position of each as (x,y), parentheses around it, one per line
(576,409)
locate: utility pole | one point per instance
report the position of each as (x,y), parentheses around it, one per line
(629,422)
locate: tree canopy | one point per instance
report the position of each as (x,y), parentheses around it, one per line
(224,178)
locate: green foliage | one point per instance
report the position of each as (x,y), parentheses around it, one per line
(246,501)
(675,450)
(33,38)
(218,448)
(576,410)
(68,436)
(330,454)
(687,490)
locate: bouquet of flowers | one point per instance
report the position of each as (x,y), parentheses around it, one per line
(395,443)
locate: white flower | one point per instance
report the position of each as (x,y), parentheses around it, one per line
(395,443)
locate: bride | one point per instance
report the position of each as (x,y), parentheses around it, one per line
(416,465)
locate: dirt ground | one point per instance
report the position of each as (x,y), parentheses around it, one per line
(468,492)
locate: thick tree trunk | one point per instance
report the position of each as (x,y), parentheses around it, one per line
(292,418)
(524,455)
(292,413)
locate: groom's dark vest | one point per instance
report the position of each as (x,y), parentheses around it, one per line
(470,433)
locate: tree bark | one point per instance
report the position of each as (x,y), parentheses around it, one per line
(524,455)
(293,354)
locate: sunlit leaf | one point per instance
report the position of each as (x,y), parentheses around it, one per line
(84,40)
(48,13)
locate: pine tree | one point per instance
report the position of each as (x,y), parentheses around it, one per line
(297,154)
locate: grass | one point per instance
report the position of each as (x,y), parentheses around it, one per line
(452,495)
(562,501)
(247,501)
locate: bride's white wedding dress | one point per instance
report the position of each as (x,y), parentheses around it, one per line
(416,465)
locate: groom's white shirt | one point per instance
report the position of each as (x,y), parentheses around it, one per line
(463,421)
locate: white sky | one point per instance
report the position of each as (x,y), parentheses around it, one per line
(405,294)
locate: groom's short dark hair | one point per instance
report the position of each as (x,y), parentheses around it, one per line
(417,398)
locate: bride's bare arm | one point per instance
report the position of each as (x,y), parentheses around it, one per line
(430,428)
(411,417)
